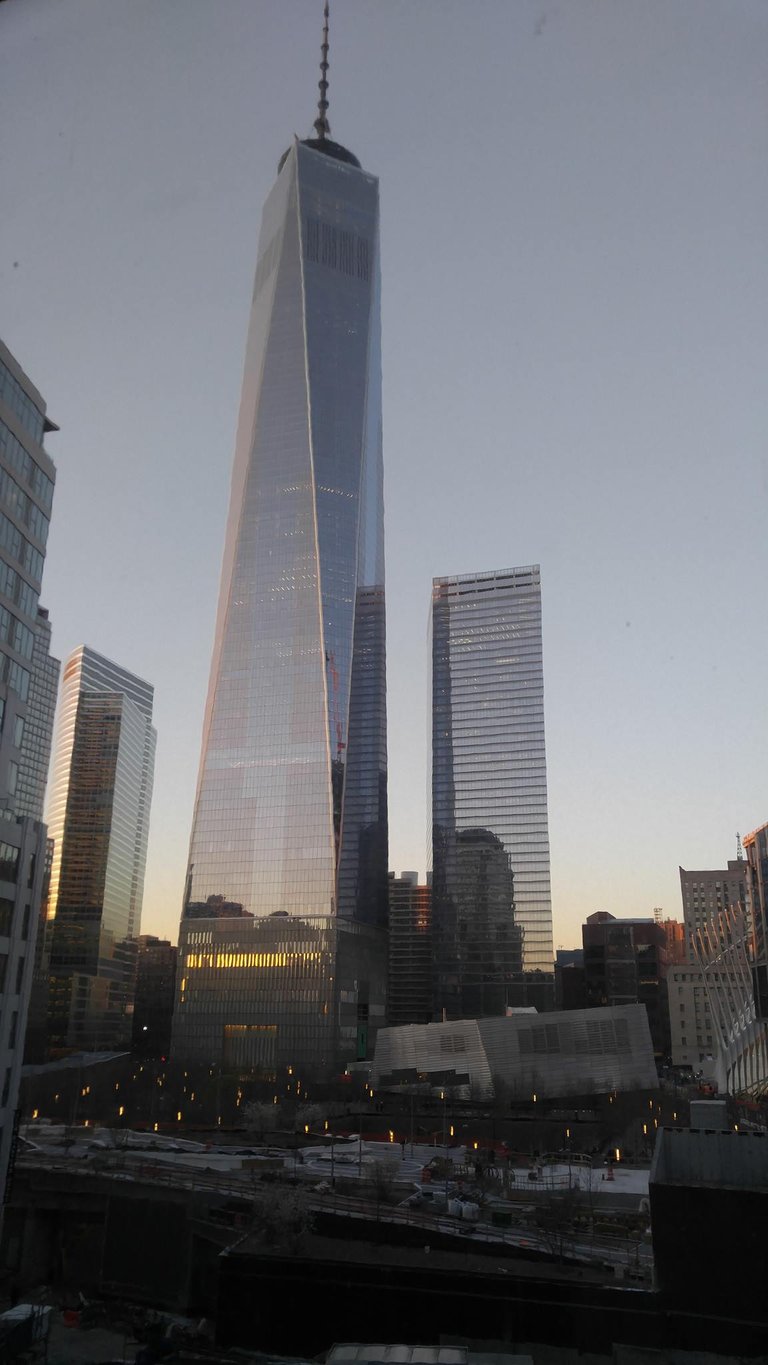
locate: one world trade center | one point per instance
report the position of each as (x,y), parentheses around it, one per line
(281,948)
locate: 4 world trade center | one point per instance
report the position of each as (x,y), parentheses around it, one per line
(282,947)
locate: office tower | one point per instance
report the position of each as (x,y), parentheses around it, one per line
(409,996)
(290,818)
(491,906)
(155,994)
(27,477)
(98,816)
(706,893)
(625,963)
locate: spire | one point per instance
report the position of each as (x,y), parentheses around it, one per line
(322,126)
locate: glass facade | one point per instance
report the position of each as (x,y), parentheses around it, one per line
(290,814)
(27,478)
(492,912)
(38,723)
(99,821)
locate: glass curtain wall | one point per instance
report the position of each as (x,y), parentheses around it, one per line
(492,914)
(290,813)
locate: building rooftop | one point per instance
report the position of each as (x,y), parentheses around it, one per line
(711,1157)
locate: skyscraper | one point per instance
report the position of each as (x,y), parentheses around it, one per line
(290,819)
(98,815)
(491,906)
(27,477)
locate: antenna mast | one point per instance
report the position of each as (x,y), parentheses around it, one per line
(322,126)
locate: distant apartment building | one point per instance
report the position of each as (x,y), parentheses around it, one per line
(625,962)
(706,893)
(27,476)
(409,995)
(153,1001)
(692,1037)
(99,806)
(674,932)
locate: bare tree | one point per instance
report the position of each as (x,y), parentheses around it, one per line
(281,1219)
(259,1117)
(383,1177)
(557,1218)
(309,1116)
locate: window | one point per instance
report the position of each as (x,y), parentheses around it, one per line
(18,732)
(13,777)
(13,1029)
(6,1089)
(17,678)
(3,970)
(9,859)
(25,923)
(6,915)
(19,973)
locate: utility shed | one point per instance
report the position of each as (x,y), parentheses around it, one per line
(709,1211)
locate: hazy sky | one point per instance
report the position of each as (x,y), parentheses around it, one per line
(575,309)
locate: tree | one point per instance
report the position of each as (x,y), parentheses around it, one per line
(281,1219)
(557,1218)
(259,1117)
(383,1177)
(309,1116)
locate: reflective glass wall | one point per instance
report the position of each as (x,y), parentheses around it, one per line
(492,913)
(290,814)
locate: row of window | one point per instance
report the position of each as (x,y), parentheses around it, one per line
(4,972)
(6,918)
(17,678)
(9,862)
(19,548)
(21,462)
(337,247)
(19,402)
(18,726)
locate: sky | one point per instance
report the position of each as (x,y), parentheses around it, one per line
(574,212)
